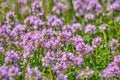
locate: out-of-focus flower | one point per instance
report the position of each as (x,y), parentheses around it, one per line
(77,26)
(117,59)
(90,29)
(10,17)
(113,44)
(33,73)
(3,4)
(103,27)
(85,74)
(96,42)
(53,21)
(59,8)
(37,8)
(22,1)
(89,17)
(61,76)
(114,6)
(86,6)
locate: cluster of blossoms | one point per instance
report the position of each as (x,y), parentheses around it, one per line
(9,72)
(83,7)
(37,8)
(89,17)
(81,48)
(59,8)
(113,44)
(10,17)
(96,42)
(59,46)
(11,57)
(61,61)
(112,70)
(33,74)
(90,29)
(114,5)
(85,74)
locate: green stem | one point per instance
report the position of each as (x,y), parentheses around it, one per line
(51,74)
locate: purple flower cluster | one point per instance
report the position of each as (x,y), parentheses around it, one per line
(113,44)
(53,21)
(9,72)
(61,61)
(85,74)
(81,48)
(96,42)
(22,1)
(83,7)
(89,17)
(61,76)
(112,70)
(10,17)
(33,23)
(11,56)
(33,73)
(37,8)
(90,29)
(115,5)
(59,8)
